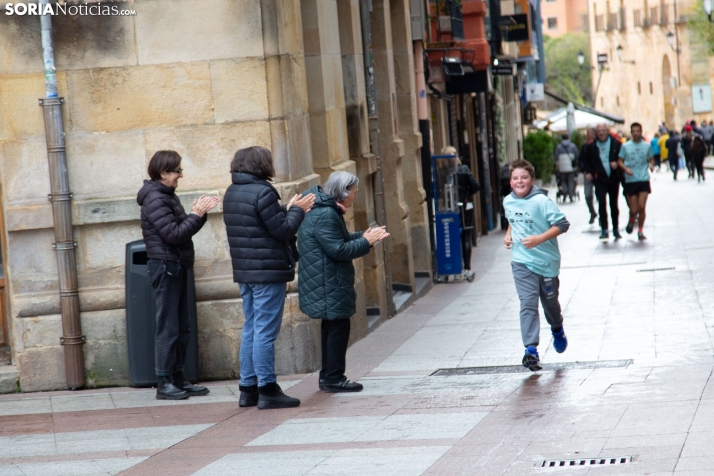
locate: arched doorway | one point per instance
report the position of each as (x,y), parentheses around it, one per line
(668,92)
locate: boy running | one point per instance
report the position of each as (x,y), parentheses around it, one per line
(534,223)
(635,158)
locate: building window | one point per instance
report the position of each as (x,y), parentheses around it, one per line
(602,102)
(617,100)
(651,88)
(639,88)
(552,23)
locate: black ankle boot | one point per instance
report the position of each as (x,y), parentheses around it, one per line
(248,395)
(165,390)
(271,396)
(180,382)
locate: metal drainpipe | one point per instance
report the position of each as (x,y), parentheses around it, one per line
(72,338)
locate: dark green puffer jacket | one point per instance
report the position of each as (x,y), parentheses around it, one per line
(326,276)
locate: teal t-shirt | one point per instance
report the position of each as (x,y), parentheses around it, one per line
(636,156)
(604,148)
(534,215)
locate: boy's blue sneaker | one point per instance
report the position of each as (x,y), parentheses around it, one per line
(560,342)
(531,360)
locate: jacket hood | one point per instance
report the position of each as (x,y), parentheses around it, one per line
(243,178)
(152,186)
(534,191)
(322,199)
(566,142)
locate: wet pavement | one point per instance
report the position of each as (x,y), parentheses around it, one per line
(631,395)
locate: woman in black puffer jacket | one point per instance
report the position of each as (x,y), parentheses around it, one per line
(167,234)
(261,234)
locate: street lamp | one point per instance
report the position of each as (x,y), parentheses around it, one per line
(581,55)
(619,52)
(708,8)
(671,39)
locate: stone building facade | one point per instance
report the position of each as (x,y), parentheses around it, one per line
(655,70)
(564,16)
(204,79)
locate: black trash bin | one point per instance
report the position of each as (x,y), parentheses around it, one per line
(141,320)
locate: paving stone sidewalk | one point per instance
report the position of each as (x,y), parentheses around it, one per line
(631,395)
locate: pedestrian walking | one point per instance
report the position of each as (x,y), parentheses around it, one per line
(535,222)
(467,187)
(587,178)
(326,275)
(699,153)
(167,232)
(601,165)
(707,131)
(663,150)
(674,151)
(635,158)
(656,150)
(261,236)
(566,154)
(687,138)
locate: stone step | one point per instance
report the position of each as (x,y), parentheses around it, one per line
(9,377)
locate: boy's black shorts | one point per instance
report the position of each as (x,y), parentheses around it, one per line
(635,188)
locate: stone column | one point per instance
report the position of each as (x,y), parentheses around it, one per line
(392,145)
(408,131)
(359,147)
(328,122)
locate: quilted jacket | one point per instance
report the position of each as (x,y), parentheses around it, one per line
(260,231)
(326,276)
(166,228)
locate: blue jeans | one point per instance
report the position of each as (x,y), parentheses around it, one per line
(263,308)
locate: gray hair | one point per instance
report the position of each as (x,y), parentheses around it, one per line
(338,185)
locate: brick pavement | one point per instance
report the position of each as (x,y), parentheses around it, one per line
(649,302)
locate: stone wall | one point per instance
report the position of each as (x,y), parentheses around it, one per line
(132,85)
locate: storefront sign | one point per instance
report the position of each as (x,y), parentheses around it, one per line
(504,70)
(535,92)
(515,28)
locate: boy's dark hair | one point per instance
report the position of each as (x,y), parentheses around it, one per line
(635,124)
(254,160)
(522,164)
(163,161)
(565,136)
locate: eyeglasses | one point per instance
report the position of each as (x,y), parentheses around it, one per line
(179,171)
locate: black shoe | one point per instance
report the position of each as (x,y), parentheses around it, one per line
(166,390)
(180,382)
(604,236)
(616,234)
(248,395)
(344,386)
(630,226)
(271,396)
(593,216)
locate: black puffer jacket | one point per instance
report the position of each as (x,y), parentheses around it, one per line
(260,231)
(166,228)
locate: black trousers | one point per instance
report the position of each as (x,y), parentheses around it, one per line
(335,335)
(603,191)
(699,164)
(173,329)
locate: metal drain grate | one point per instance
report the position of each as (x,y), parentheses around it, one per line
(654,269)
(606,265)
(517,369)
(585,462)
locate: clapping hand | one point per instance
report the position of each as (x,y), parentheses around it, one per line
(305,202)
(375,235)
(202,205)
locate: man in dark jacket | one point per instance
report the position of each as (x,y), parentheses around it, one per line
(588,182)
(674,150)
(601,166)
(327,276)
(260,232)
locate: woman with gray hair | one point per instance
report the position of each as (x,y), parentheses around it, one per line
(326,276)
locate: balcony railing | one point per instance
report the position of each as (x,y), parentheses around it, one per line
(667,15)
(637,15)
(612,22)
